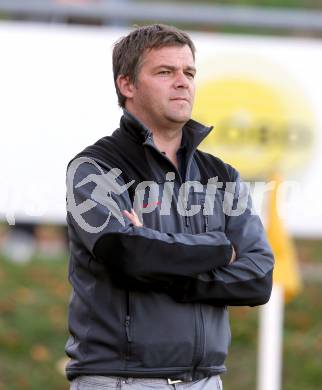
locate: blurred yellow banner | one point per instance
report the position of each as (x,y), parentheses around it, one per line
(286,271)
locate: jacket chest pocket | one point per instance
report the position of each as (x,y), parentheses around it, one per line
(210,216)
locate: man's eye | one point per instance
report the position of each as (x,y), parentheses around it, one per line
(164,72)
(190,75)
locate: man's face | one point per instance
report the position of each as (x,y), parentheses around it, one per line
(164,91)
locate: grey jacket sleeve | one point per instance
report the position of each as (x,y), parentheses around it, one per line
(96,198)
(248,280)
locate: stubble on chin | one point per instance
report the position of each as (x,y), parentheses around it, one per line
(180,117)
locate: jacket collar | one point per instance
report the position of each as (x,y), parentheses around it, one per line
(193,132)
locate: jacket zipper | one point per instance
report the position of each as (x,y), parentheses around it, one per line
(206,223)
(199,317)
(127,324)
(147,143)
(201,336)
(200,352)
(187,178)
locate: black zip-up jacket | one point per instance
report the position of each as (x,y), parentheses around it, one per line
(152,301)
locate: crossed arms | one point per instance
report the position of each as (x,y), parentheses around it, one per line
(189,267)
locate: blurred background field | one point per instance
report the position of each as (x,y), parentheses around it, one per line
(33,321)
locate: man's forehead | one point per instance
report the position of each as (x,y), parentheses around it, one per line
(168,55)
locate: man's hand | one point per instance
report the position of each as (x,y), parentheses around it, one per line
(233,256)
(133,217)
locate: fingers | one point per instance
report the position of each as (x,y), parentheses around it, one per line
(127,214)
(233,256)
(133,217)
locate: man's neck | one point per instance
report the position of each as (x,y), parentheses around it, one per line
(166,137)
(167,141)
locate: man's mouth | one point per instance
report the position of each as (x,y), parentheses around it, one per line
(180,99)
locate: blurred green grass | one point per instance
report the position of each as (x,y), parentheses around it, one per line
(33,304)
(33,330)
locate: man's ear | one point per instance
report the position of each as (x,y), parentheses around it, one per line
(125,86)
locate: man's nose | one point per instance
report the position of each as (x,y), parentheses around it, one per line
(181,80)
